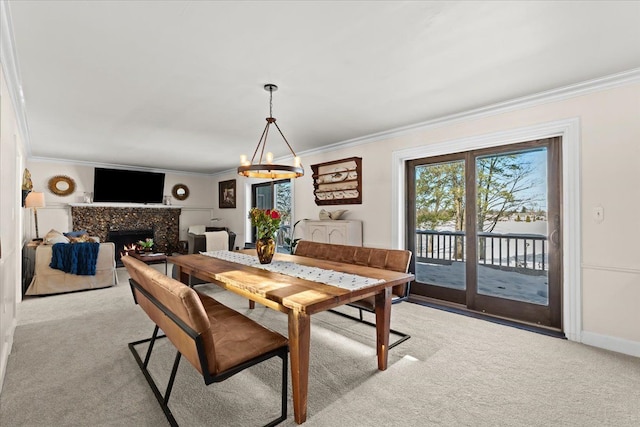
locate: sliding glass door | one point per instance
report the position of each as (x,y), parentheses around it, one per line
(485,229)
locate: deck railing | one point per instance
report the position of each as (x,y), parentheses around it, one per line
(503,250)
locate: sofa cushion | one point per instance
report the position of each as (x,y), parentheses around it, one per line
(77,233)
(82,239)
(54,236)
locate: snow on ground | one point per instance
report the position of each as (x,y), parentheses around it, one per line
(491,281)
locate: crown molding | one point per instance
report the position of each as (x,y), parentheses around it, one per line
(11,70)
(114,166)
(555,95)
(560,94)
(9,62)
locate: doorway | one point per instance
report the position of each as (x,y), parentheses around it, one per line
(274,195)
(485,228)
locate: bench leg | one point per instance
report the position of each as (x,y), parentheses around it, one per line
(403,336)
(172,378)
(285,374)
(161,399)
(153,340)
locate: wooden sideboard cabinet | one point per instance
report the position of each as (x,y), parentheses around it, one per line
(341,232)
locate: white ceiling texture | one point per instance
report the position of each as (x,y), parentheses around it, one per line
(178,85)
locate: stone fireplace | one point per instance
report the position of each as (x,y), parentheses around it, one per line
(100,219)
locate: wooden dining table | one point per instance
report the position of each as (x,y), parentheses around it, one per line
(299,299)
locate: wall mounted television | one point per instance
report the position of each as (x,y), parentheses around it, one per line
(119,185)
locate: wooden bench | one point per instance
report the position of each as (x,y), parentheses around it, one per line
(219,342)
(388,259)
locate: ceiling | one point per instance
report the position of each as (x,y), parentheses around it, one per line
(178,85)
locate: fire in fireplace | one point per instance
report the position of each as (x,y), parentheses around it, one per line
(124,239)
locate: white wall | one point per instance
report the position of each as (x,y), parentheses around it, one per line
(196,209)
(11,160)
(609,171)
(236,218)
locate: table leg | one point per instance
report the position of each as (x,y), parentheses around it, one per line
(182,276)
(383,324)
(299,337)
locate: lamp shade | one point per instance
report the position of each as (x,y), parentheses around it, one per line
(34,200)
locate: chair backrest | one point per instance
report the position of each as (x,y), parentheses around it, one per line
(197,241)
(197,229)
(216,241)
(180,300)
(387,259)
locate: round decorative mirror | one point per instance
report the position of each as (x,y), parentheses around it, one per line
(62,185)
(180,191)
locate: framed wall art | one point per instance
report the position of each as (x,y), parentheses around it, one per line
(62,185)
(227,194)
(180,192)
(338,182)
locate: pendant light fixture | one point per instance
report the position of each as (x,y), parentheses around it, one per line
(263,166)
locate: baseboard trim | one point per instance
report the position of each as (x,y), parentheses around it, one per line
(5,351)
(607,342)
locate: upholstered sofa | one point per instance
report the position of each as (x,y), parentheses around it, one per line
(47,280)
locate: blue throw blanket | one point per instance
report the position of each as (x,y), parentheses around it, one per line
(75,258)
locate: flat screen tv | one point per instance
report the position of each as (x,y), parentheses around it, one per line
(118,185)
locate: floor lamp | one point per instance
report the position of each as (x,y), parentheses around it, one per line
(35,200)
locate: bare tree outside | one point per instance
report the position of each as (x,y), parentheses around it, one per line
(506,186)
(440,199)
(440,195)
(283,201)
(482,226)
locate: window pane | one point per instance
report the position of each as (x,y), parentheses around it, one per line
(511,194)
(440,232)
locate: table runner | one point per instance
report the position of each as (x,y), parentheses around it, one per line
(348,281)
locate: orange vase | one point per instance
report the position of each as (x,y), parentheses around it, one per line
(265,247)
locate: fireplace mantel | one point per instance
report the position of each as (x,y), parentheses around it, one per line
(124,205)
(100,218)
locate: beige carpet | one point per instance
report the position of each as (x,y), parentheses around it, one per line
(70,366)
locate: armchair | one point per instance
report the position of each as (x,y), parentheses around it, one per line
(197,242)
